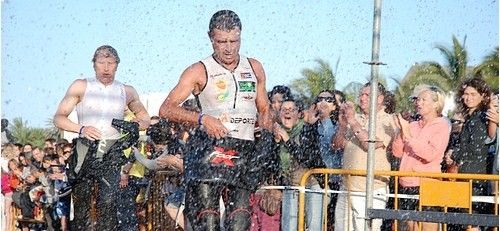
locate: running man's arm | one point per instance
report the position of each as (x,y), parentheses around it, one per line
(192,80)
(67,105)
(261,101)
(135,105)
(188,83)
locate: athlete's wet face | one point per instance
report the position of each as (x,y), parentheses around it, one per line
(226,45)
(105,69)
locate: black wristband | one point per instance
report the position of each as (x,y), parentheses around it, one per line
(80,132)
(200,117)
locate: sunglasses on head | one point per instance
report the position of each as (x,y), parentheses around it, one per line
(329,99)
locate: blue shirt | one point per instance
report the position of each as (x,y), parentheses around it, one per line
(327,130)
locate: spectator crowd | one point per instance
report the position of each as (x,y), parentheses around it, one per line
(329,133)
(235,154)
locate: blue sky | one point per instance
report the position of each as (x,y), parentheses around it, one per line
(46,45)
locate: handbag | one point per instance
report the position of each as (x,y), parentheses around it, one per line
(270,201)
(452,168)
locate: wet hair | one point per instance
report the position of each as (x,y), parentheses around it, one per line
(161,133)
(106,51)
(481,87)
(225,20)
(280,89)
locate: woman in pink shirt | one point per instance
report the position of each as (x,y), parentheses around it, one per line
(421,145)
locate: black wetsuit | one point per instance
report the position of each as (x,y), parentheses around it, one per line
(88,169)
(212,171)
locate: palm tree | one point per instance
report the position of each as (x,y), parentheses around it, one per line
(455,69)
(24,134)
(314,81)
(418,74)
(52,131)
(351,91)
(488,69)
(448,77)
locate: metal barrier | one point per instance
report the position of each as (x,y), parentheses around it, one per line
(157,217)
(437,217)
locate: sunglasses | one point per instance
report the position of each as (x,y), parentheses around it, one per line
(328,99)
(454,121)
(66,152)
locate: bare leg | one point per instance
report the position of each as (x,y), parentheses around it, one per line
(172,212)
(412,225)
(430,226)
(472,229)
(64,223)
(8,214)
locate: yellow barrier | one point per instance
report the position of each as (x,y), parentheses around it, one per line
(396,174)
